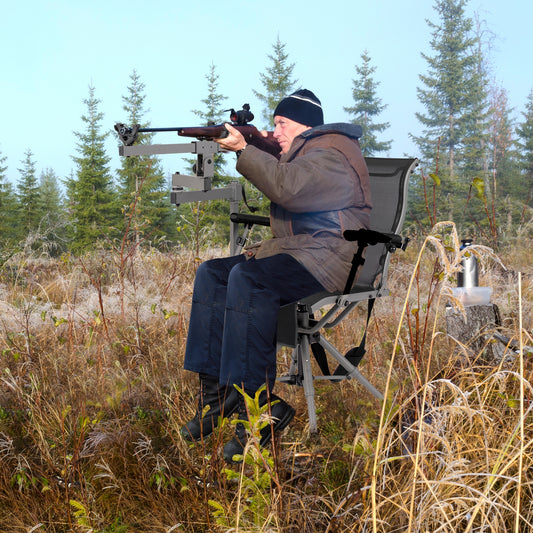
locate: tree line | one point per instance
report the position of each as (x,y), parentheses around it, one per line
(476,160)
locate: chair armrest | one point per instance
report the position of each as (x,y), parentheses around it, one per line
(368,237)
(241,218)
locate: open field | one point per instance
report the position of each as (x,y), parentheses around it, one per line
(92,396)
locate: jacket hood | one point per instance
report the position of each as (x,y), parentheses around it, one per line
(355,131)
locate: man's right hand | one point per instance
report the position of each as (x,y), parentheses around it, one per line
(234,141)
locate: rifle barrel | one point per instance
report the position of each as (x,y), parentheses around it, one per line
(155,130)
(250,133)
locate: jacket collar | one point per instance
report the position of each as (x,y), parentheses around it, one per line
(351,130)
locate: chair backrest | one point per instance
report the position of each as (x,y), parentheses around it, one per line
(388,182)
(389,179)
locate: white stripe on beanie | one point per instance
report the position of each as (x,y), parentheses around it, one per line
(305,99)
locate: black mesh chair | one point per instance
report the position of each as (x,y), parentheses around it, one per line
(297,326)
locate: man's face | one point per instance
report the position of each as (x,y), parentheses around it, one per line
(286,130)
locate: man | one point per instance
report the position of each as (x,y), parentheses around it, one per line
(318,188)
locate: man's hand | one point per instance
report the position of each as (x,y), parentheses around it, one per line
(234,141)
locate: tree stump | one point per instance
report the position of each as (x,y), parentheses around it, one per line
(474,330)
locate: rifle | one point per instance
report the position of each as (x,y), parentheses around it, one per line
(239,120)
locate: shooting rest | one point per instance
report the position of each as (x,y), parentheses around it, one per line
(196,187)
(297,327)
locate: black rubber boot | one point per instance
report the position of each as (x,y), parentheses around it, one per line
(282,413)
(214,401)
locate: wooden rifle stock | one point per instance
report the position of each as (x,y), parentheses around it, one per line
(250,133)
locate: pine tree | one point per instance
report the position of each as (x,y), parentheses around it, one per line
(366,107)
(93,205)
(28,198)
(525,145)
(277,82)
(8,206)
(143,191)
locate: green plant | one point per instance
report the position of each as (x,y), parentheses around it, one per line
(253,503)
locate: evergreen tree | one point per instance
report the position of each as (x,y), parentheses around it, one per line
(3,174)
(202,221)
(453,97)
(277,82)
(93,206)
(366,107)
(50,196)
(472,159)
(28,198)
(525,145)
(143,191)
(494,186)
(452,84)
(53,223)
(8,206)
(212,113)
(501,155)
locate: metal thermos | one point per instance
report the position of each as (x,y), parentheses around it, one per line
(469,276)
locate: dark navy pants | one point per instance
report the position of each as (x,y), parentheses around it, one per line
(234,316)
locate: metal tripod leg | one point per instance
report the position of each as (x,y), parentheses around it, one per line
(308,381)
(353,372)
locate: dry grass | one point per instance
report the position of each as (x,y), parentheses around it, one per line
(92,396)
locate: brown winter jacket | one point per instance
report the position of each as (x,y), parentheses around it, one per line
(317,190)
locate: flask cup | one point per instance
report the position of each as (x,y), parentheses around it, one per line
(469,276)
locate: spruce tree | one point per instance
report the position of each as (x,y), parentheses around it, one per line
(202,221)
(3,175)
(143,190)
(277,82)
(367,106)
(452,82)
(53,224)
(212,113)
(501,152)
(93,205)
(50,195)
(525,146)
(490,204)
(472,158)
(28,199)
(454,118)
(8,206)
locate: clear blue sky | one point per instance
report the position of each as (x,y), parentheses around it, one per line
(53,50)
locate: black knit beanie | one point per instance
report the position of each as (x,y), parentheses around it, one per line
(301,106)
